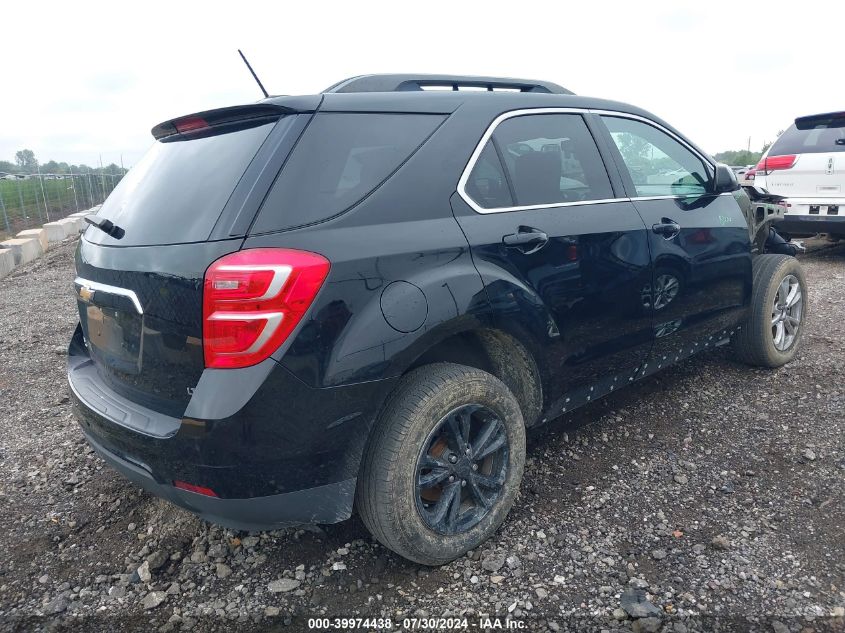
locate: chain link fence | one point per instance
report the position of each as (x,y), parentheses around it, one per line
(31,201)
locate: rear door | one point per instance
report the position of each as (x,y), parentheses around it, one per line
(564,257)
(701,278)
(185,204)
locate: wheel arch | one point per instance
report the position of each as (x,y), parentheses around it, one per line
(496,352)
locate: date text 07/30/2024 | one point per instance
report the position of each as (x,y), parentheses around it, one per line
(481,623)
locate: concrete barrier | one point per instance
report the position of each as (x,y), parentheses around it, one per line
(24,250)
(80,219)
(75,225)
(7,262)
(39,234)
(56,231)
(31,244)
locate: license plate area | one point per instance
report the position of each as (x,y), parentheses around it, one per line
(115,337)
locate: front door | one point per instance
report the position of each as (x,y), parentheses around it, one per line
(700,247)
(563,256)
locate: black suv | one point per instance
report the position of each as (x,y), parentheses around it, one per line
(361,299)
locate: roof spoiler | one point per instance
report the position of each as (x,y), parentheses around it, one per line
(221,119)
(828,119)
(405,83)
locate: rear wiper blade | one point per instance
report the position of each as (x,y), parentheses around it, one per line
(107,226)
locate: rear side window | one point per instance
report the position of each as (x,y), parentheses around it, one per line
(340,159)
(176,193)
(824,138)
(548,159)
(487,183)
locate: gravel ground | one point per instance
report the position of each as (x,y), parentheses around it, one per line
(709,496)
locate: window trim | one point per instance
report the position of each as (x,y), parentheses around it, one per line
(461,189)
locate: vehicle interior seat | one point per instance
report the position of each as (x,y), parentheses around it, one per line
(537,178)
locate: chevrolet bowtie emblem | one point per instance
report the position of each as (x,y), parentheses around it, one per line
(86,293)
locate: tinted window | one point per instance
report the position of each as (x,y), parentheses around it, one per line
(551,158)
(487,184)
(822,138)
(179,188)
(340,159)
(658,164)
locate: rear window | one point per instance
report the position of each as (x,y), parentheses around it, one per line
(340,159)
(821,139)
(176,193)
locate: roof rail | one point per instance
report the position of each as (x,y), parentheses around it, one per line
(405,83)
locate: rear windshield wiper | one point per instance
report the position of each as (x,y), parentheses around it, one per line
(107,226)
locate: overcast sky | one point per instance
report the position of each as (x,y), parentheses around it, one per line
(80,82)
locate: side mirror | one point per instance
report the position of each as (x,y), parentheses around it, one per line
(725,179)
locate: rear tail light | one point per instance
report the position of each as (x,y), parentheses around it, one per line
(200,490)
(771,163)
(253,299)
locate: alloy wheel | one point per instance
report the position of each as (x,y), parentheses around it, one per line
(461,470)
(787,310)
(666,288)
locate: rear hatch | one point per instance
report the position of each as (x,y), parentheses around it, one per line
(808,160)
(187,203)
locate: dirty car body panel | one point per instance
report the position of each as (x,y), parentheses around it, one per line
(412,263)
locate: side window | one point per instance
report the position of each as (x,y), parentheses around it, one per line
(487,184)
(551,158)
(339,160)
(658,164)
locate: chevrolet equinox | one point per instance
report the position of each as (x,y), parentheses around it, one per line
(361,299)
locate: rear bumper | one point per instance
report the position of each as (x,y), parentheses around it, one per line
(812,223)
(290,455)
(813,215)
(324,504)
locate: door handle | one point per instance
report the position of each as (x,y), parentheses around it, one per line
(667,228)
(527,240)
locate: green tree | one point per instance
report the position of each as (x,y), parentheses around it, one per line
(25,158)
(738,157)
(50,167)
(7,167)
(768,144)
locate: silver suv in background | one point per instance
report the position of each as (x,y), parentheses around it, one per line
(806,165)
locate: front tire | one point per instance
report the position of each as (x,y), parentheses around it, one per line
(772,334)
(444,463)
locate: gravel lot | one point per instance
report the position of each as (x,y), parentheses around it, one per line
(709,496)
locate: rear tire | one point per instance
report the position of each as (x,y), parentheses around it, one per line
(772,334)
(417,439)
